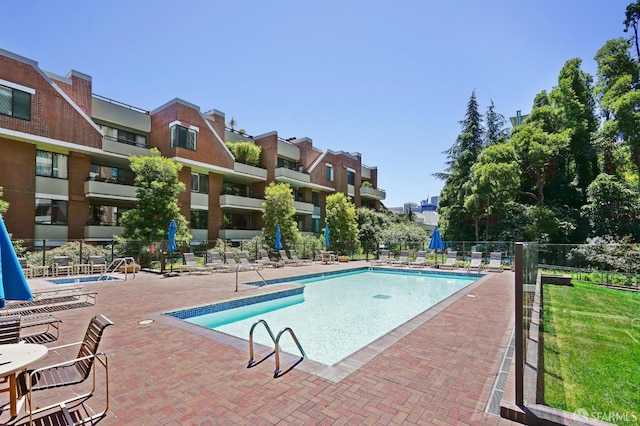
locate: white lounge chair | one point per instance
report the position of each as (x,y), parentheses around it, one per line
(420,261)
(190,265)
(266,260)
(286,260)
(403,260)
(383,259)
(495,262)
(451,262)
(294,256)
(476,262)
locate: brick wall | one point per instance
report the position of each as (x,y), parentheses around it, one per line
(52,115)
(18,178)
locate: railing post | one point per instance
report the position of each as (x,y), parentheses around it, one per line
(519,324)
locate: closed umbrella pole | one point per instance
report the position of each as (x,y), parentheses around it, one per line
(13,284)
(278,245)
(173,228)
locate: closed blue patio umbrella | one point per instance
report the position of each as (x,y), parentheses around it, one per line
(436,241)
(326,235)
(278,245)
(13,284)
(173,228)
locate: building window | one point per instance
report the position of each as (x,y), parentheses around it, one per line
(111,174)
(329,172)
(315,225)
(287,164)
(199,219)
(315,198)
(51,164)
(200,183)
(15,103)
(103,215)
(182,137)
(351,177)
(51,212)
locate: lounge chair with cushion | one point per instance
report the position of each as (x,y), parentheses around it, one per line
(383,259)
(495,262)
(266,260)
(98,264)
(451,262)
(62,265)
(294,256)
(420,261)
(286,260)
(476,262)
(190,265)
(214,260)
(69,373)
(244,262)
(27,270)
(403,260)
(230,260)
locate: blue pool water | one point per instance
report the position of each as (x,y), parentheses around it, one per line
(339,314)
(80,280)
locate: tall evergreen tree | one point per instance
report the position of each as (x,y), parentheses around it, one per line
(460,158)
(632,19)
(495,126)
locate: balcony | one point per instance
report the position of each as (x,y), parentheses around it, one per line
(109,190)
(293,177)
(239,234)
(102,232)
(123,147)
(303,208)
(372,193)
(239,203)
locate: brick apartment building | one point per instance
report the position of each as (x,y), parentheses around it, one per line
(64,162)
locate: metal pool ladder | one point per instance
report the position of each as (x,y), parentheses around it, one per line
(276,350)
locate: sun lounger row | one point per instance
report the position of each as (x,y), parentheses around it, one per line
(476,263)
(238,262)
(49,300)
(62,265)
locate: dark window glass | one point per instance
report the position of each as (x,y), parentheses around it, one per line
(199,219)
(15,103)
(181,137)
(51,212)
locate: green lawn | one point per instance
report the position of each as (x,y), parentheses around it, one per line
(592,350)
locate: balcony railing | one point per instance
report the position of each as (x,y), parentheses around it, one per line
(127,141)
(368,192)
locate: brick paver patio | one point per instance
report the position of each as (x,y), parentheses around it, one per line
(438,369)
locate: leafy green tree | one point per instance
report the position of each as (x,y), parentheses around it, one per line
(614,62)
(574,98)
(405,235)
(536,150)
(245,152)
(340,215)
(279,210)
(612,208)
(4,206)
(370,226)
(493,183)
(157,191)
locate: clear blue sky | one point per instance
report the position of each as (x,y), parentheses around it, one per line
(387,79)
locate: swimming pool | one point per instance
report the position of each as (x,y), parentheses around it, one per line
(79,280)
(339,314)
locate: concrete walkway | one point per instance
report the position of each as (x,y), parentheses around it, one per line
(437,369)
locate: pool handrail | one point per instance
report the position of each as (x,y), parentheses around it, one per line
(276,343)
